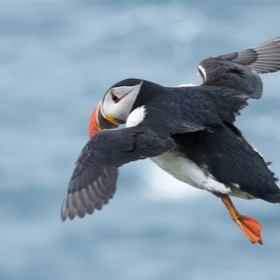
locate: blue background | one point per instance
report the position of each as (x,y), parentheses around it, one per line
(57,60)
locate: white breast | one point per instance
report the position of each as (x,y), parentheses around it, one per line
(188,172)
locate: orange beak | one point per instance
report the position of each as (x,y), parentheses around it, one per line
(98,121)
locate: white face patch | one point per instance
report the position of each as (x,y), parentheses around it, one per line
(136,116)
(118,101)
(202,72)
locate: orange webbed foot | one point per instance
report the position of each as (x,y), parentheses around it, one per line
(250,227)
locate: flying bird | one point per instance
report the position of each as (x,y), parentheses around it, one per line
(188,131)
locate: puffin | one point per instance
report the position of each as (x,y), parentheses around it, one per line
(188,131)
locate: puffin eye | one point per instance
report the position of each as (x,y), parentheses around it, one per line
(115,98)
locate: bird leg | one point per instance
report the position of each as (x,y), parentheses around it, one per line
(250,227)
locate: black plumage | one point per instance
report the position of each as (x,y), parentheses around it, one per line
(94,179)
(227,156)
(194,122)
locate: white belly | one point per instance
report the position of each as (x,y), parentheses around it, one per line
(188,172)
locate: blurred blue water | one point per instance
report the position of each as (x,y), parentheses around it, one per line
(57,60)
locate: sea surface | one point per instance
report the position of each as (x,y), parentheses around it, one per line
(57,59)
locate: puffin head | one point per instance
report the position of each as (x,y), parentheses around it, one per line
(115,106)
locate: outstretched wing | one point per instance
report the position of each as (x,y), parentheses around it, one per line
(94,179)
(239,70)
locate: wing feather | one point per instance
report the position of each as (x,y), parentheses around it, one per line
(239,70)
(94,179)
